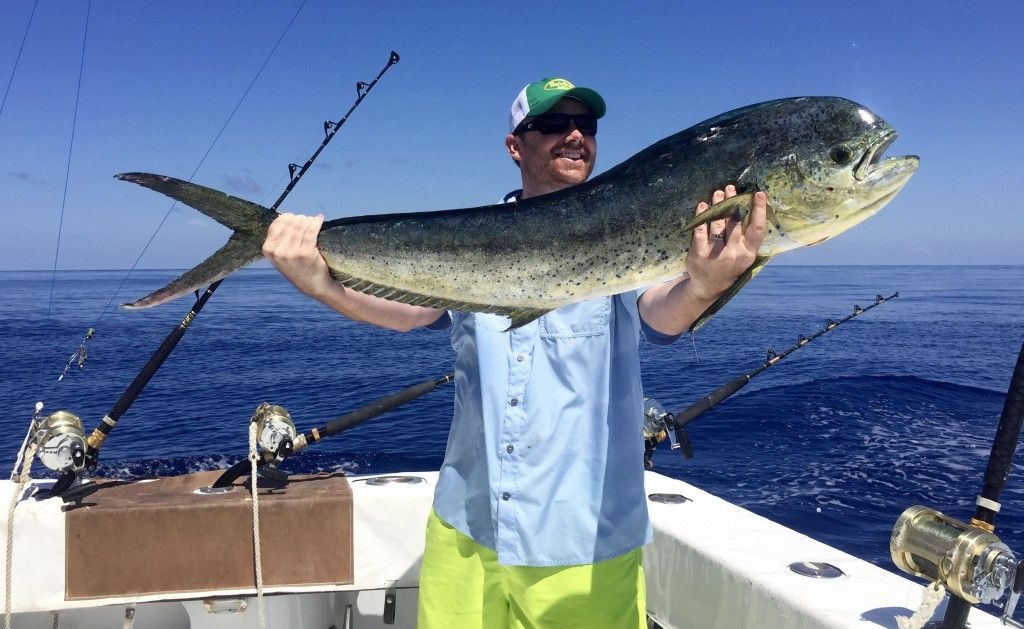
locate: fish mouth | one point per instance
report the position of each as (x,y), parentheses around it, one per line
(873,156)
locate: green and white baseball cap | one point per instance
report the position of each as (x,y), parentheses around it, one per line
(540,96)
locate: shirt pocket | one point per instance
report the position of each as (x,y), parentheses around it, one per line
(582,319)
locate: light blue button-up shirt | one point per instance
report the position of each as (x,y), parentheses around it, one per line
(545,455)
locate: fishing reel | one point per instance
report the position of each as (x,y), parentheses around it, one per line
(968,559)
(60,441)
(61,446)
(276,435)
(275,430)
(659,424)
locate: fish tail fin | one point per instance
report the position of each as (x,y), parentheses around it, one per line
(248,220)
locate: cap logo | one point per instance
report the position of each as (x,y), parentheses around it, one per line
(558,84)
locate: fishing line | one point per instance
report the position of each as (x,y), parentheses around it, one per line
(91,446)
(64,198)
(18,57)
(203,160)
(216,139)
(988,399)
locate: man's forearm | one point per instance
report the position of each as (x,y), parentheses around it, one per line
(672,307)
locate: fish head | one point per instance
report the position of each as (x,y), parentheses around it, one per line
(830,172)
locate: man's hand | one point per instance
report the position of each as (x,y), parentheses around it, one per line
(719,253)
(291,247)
(723,249)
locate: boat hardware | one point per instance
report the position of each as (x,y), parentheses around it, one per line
(225,605)
(816,570)
(390,602)
(660,424)
(968,559)
(271,458)
(383,481)
(94,442)
(668,499)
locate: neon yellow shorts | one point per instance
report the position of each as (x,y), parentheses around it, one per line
(462,586)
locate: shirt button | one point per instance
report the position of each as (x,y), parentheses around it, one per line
(510,448)
(506,496)
(520,358)
(513,401)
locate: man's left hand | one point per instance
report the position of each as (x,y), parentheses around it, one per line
(723,249)
(719,253)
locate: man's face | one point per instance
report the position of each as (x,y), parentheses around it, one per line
(556,161)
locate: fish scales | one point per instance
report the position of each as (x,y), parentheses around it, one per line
(818,160)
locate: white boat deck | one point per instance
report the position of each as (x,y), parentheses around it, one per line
(712,564)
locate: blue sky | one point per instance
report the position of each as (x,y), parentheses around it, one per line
(160,80)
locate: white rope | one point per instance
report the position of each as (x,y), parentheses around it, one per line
(56,619)
(253,457)
(24,444)
(930,599)
(23,477)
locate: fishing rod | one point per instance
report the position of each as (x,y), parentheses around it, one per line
(968,559)
(660,424)
(279,440)
(60,437)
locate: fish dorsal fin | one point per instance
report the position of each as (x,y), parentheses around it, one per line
(740,282)
(723,209)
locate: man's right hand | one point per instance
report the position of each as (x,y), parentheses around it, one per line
(291,248)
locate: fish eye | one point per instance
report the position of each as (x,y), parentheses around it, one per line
(841,155)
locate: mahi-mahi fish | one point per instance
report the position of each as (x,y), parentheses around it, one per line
(818,160)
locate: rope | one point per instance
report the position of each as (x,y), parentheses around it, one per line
(24,444)
(930,599)
(56,619)
(253,457)
(23,477)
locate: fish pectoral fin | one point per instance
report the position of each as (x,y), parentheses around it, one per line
(723,209)
(523,316)
(740,282)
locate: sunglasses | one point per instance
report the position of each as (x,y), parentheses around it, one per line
(552,123)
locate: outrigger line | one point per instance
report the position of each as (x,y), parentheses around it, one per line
(662,424)
(95,440)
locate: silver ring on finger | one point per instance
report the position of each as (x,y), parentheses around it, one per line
(718,236)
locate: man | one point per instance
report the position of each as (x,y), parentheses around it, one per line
(539,513)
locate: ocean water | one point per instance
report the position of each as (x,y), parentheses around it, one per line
(895,408)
